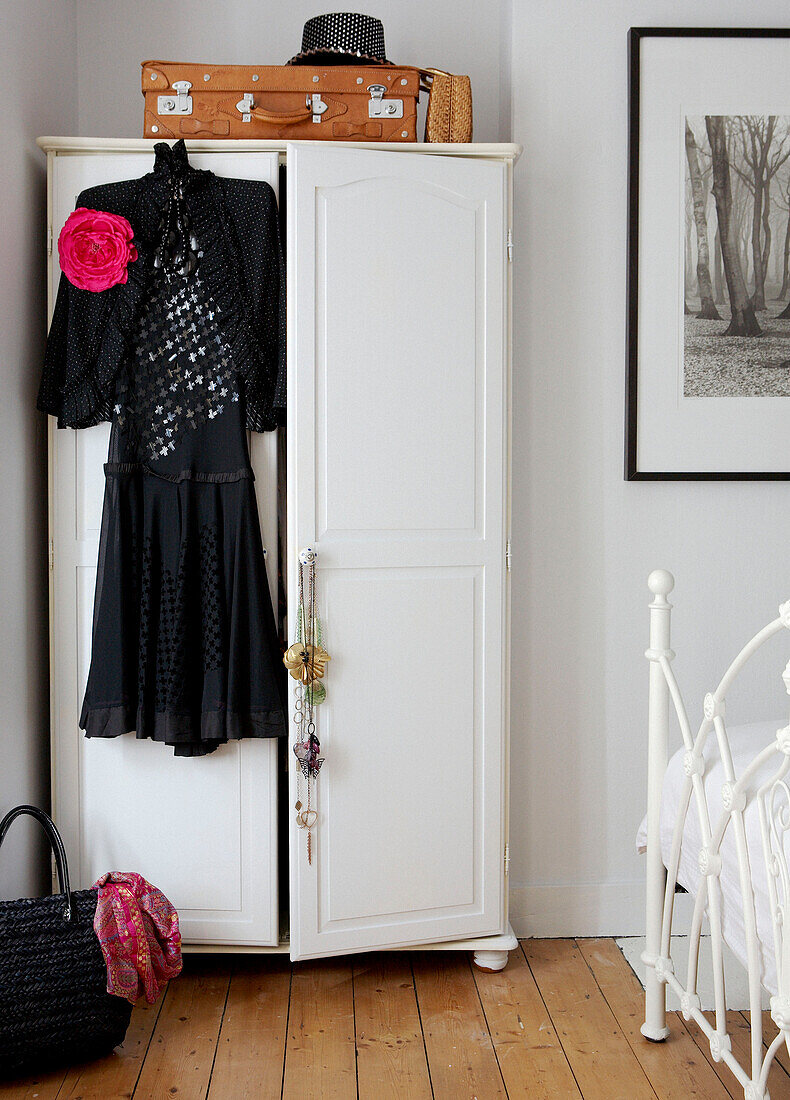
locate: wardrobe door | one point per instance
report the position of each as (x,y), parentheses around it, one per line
(397,441)
(203,830)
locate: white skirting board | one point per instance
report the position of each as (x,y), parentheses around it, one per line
(735,979)
(554,910)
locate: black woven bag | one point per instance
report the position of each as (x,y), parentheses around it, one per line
(54,1004)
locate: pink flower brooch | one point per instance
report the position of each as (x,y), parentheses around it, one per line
(95,249)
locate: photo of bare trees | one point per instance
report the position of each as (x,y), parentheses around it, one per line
(737,256)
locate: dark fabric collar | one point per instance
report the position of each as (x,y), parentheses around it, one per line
(171,160)
(171,165)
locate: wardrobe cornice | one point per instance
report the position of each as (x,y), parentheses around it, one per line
(63,146)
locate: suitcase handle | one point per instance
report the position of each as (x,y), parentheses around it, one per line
(56,843)
(278,117)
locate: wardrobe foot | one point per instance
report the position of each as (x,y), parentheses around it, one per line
(490,961)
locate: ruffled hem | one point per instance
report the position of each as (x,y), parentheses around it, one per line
(216,727)
(89,401)
(121,468)
(84,407)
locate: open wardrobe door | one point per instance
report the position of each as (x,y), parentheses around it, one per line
(397,477)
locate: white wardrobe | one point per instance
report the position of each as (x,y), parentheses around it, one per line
(397,474)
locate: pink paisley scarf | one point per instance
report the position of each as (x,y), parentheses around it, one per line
(138,932)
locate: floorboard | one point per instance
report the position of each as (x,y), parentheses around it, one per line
(181,1054)
(391,1060)
(778,1078)
(561,1022)
(676,1068)
(320,1059)
(461,1055)
(115,1077)
(769,1031)
(37,1086)
(530,1055)
(603,1063)
(251,1049)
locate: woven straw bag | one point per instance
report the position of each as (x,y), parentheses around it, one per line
(449,116)
(54,1004)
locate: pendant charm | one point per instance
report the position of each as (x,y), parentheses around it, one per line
(306,819)
(315,694)
(306,662)
(298,805)
(308,754)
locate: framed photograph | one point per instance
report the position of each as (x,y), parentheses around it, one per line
(708,386)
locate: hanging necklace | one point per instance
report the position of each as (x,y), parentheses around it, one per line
(176,253)
(306,662)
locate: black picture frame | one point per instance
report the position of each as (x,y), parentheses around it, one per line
(635,37)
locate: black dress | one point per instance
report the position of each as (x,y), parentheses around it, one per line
(184,641)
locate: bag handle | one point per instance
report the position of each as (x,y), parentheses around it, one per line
(56,843)
(277,118)
(424,75)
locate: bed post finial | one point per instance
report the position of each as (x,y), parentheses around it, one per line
(660,582)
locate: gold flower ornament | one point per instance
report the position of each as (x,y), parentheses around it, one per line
(306,662)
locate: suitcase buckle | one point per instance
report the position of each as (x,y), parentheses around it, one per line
(178,104)
(318,106)
(383,108)
(244,107)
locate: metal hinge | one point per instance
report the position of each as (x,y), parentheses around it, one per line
(509,245)
(508,555)
(49,240)
(51,554)
(507,859)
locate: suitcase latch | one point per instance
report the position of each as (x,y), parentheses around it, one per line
(178,104)
(379,107)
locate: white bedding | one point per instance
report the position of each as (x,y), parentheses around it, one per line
(745,743)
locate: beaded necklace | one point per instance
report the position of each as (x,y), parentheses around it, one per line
(305,661)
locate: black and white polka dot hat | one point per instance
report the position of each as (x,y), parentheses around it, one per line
(341,37)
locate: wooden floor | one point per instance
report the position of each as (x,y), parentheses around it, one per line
(561,1021)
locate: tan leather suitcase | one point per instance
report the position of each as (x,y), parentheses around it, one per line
(338,103)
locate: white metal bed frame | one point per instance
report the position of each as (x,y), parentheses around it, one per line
(773,798)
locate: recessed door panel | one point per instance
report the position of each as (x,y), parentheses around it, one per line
(397,459)
(410,321)
(389,759)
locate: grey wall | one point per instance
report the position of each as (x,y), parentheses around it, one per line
(38,51)
(115,36)
(584,540)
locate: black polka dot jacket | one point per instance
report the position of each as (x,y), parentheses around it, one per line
(236,226)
